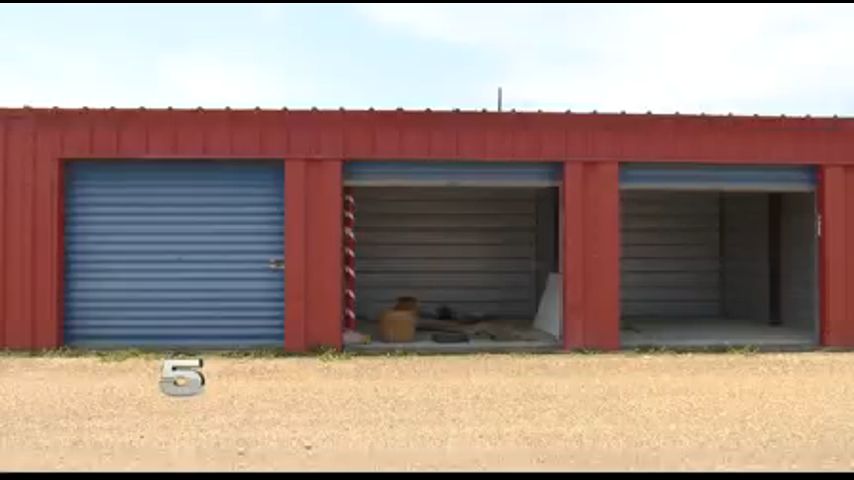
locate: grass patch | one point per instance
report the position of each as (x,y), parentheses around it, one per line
(257,353)
(121,355)
(711,350)
(588,351)
(523,354)
(329,354)
(61,352)
(115,355)
(743,350)
(655,351)
(118,355)
(401,353)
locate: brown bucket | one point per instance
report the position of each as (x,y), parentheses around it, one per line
(398,325)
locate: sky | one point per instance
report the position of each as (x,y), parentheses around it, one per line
(793,59)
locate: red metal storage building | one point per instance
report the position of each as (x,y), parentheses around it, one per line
(67,258)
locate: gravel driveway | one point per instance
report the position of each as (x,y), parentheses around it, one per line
(485,412)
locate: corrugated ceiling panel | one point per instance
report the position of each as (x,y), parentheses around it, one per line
(717,177)
(452,174)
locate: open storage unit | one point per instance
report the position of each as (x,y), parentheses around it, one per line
(718,256)
(476,244)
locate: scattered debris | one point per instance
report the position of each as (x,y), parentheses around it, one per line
(352,337)
(450,337)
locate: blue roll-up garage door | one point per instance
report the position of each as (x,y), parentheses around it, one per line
(174,254)
(718,177)
(453,174)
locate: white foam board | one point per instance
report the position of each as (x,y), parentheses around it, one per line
(550,312)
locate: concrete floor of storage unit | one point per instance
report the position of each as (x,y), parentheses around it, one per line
(530,340)
(711,332)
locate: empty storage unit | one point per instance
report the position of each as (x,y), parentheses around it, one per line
(475,243)
(718,255)
(174,254)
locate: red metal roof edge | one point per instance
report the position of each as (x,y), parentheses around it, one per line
(425,111)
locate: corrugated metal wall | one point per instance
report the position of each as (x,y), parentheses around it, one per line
(836,263)
(174,254)
(472,249)
(798,260)
(746,268)
(591,255)
(694,245)
(548,237)
(670,254)
(314,278)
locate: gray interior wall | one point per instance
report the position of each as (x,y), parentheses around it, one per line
(547,237)
(798,260)
(472,249)
(696,254)
(745,256)
(670,254)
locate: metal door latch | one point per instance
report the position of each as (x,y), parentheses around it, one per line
(276,264)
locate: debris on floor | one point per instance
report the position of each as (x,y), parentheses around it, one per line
(352,337)
(501,331)
(405,322)
(449,337)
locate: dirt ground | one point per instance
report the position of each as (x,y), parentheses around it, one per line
(790,411)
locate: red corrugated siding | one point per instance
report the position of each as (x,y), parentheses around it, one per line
(33,141)
(837,267)
(592,255)
(446,135)
(5,323)
(21,274)
(314,287)
(324,253)
(295,253)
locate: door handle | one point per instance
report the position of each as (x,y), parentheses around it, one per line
(276,264)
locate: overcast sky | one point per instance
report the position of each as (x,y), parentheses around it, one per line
(766,59)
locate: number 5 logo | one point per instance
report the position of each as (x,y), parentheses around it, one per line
(179,379)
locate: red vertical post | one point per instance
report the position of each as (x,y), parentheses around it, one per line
(19,193)
(591,277)
(295,255)
(313,254)
(573,256)
(4,208)
(59,249)
(325,277)
(836,266)
(47,318)
(603,222)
